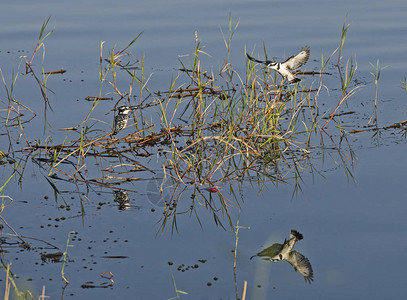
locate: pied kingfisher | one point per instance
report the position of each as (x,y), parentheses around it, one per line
(285,68)
(277,252)
(123,199)
(120,121)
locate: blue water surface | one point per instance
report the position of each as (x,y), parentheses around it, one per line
(354,226)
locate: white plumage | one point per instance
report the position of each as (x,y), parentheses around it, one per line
(285,68)
(120,121)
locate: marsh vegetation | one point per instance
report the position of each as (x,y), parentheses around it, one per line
(202,139)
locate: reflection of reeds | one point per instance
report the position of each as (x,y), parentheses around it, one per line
(235,128)
(20,242)
(257,130)
(10,281)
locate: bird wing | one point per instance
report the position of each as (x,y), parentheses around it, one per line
(301,264)
(294,62)
(266,62)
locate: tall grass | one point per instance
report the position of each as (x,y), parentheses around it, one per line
(404,84)
(376,76)
(234,127)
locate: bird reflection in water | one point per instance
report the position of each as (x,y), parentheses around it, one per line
(277,252)
(122,199)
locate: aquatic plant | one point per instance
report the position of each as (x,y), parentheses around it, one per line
(216,129)
(404,84)
(376,75)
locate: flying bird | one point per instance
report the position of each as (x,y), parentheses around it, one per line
(277,252)
(285,68)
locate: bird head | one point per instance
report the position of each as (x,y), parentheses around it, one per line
(270,65)
(124,110)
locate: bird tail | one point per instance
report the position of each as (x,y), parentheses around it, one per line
(253,59)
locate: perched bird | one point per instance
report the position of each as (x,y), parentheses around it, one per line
(120,121)
(277,252)
(285,68)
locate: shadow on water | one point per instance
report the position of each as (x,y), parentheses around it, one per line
(216,132)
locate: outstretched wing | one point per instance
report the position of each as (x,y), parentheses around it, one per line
(266,62)
(301,264)
(294,62)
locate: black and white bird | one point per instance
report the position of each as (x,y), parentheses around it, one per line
(277,252)
(120,121)
(123,199)
(285,68)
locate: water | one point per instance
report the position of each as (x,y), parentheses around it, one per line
(353,228)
